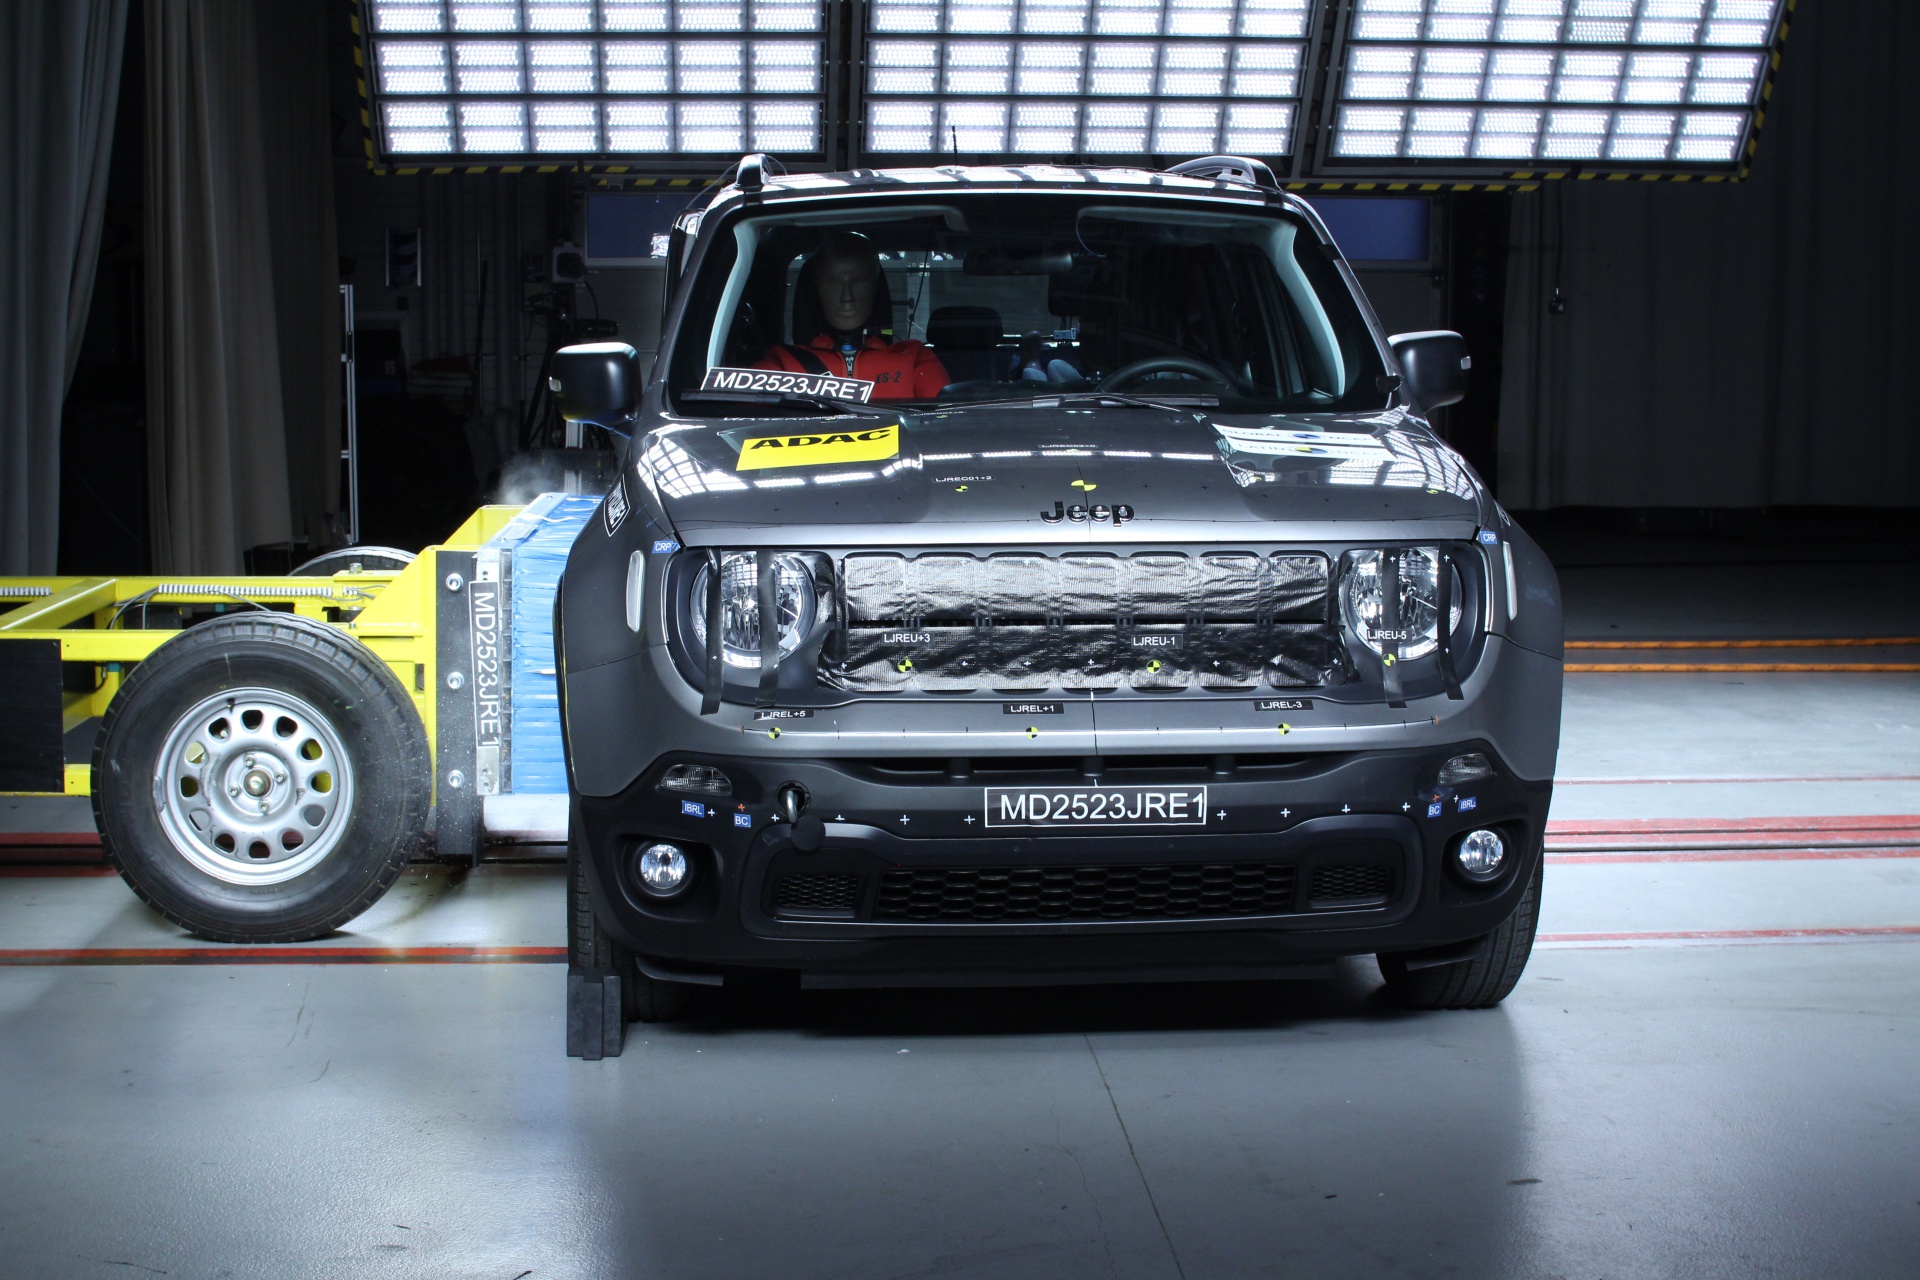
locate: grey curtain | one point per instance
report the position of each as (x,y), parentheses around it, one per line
(242,274)
(59,87)
(1734,345)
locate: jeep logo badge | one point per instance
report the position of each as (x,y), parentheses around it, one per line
(1119,513)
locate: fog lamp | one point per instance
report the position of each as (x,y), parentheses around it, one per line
(1481,854)
(663,869)
(1466,767)
(702,779)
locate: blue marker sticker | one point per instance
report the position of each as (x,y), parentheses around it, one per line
(1468,803)
(1489,537)
(1433,810)
(742,819)
(692,809)
(665,546)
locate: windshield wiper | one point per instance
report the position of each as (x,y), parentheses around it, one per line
(1184,400)
(851,408)
(1083,399)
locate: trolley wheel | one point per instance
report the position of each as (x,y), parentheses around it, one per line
(353,560)
(261,778)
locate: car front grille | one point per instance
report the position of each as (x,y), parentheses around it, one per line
(816,895)
(991,894)
(1343,885)
(1026,620)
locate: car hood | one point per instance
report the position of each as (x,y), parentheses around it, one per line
(1041,473)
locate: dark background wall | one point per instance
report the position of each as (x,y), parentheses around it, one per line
(1727,346)
(1733,345)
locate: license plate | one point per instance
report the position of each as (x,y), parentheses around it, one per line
(1096,806)
(778,382)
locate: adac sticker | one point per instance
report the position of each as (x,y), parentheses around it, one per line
(806,449)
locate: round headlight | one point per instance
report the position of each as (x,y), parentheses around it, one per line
(1481,854)
(1362,601)
(740,606)
(662,869)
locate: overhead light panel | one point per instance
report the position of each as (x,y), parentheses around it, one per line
(1458,88)
(499,81)
(1094,78)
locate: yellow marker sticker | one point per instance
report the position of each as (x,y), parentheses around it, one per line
(905,664)
(1084,486)
(774,732)
(1285,729)
(807,449)
(1032,732)
(1153,664)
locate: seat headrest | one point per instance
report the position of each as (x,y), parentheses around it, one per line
(964,329)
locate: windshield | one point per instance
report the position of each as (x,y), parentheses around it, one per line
(993,296)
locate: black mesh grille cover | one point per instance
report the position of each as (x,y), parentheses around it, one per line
(987,894)
(816,893)
(1351,883)
(1027,621)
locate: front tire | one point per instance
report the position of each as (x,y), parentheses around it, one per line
(261,778)
(605,988)
(1479,983)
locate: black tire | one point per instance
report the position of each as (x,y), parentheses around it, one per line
(1479,983)
(381,791)
(591,950)
(344,559)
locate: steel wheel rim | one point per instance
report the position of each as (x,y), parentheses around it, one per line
(253,786)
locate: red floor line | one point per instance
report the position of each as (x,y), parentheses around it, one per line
(1725,779)
(1630,668)
(44,839)
(1884,849)
(281,955)
(54,870)
(1662,826)
(1733,935)
(1600,857)
(1885,642)
(1686,844)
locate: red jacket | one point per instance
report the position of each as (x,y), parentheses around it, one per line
(898,370)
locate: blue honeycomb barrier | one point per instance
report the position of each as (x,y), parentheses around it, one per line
(534,546)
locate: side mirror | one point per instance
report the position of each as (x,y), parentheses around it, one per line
(1434,364)
(596,382)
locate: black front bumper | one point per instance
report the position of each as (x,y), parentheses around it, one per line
(1302,859)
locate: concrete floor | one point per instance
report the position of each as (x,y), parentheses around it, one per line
(1707,1071)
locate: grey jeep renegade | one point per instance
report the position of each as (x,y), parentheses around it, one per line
(1040,575)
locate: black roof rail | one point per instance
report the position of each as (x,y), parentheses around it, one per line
(749,173)
(754,169)
(1231,168)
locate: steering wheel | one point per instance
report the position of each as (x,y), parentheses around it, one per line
(1139,369)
